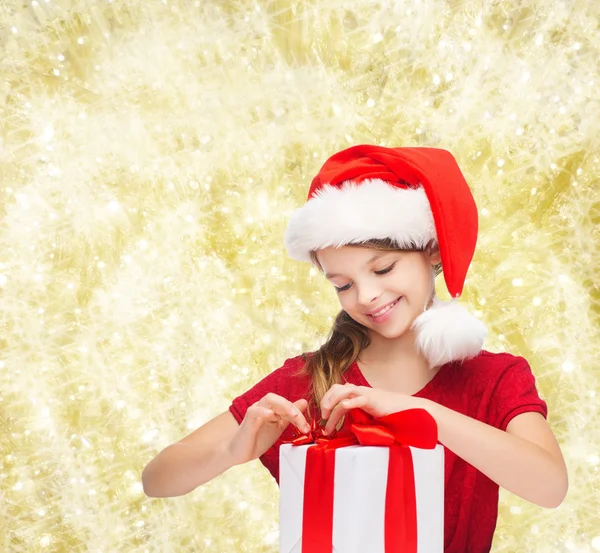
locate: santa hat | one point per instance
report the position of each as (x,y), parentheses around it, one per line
(413,196)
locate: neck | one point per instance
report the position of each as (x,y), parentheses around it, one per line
(395,364)
(383,350)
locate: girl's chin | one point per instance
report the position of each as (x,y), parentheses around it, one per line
(395,331)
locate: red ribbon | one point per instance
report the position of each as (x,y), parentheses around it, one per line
(413,427)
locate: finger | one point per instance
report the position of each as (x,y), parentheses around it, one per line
(279,405)
(287,410)
(302,405)
(299,421)
(331,399)
(256,414)
(356,402)
(334,418)
(260,415)
(334,395)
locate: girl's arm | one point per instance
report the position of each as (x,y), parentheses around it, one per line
(183,466)
(220,444)
(526,459)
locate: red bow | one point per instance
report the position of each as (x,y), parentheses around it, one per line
(413,427)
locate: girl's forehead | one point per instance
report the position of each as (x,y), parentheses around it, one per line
(349,252)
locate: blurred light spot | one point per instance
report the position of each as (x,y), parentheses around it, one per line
(271,537)
(48,133)
(149,435)
(568,367)
(136,488)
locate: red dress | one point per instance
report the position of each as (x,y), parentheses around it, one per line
(492,388)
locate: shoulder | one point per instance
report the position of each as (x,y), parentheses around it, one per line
(288,381)
(293,366)
(496,387)
(293,380)
(488,368)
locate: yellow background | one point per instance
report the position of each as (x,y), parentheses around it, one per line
(151,154)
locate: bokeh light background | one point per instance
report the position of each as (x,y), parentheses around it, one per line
(151,154)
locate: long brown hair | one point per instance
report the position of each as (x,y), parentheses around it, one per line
(346,339)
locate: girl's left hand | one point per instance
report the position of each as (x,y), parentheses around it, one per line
(341,398)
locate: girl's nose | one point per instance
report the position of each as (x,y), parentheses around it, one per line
(368,295)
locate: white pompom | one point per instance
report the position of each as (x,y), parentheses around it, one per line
(448,332)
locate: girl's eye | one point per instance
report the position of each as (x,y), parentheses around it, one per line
(382,272)
(343,288)
(386,270)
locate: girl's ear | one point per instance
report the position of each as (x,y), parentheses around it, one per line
(433,251)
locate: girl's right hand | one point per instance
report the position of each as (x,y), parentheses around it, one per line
(263,424)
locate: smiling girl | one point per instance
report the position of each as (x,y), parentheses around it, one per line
(381,223)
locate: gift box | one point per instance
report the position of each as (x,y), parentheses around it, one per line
(344,503)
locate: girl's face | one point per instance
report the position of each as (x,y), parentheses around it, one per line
(368,280)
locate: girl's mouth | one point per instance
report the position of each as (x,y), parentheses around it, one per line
(385,313)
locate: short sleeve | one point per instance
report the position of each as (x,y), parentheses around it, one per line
(277,382)
(287,382)
(515,393)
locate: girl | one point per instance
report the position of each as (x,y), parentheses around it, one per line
(381,223)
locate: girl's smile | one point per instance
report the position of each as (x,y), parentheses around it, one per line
(384,314)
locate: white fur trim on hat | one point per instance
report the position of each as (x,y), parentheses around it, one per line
(448,332)
(351,213)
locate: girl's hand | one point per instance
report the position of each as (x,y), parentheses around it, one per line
(341,398)
(263,424)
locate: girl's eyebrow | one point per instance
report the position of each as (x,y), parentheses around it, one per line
(374,258)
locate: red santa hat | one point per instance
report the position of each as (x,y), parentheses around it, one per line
(413,196)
